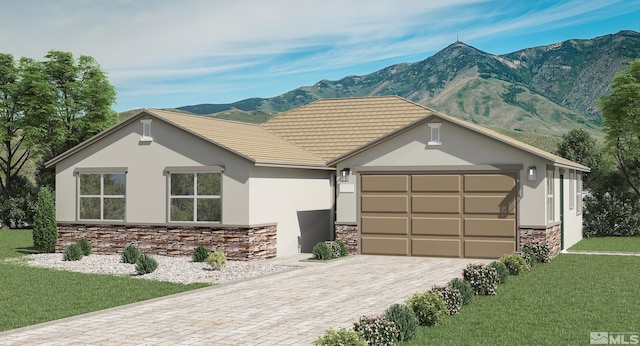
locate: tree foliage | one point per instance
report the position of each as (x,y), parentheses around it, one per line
(45,230)
(579,146)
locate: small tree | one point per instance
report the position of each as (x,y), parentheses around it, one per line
(45,230)
(579,146)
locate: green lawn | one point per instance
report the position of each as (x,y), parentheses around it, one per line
(625,244)
(33,295)
(558,303)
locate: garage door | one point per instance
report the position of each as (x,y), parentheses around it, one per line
(449,215)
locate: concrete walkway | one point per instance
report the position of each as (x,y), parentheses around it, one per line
(290,308)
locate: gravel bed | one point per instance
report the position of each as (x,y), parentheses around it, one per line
(173,269)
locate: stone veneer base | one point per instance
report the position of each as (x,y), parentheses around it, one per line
(349,234)
(238,243)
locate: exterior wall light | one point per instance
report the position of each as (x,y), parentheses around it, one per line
(344,175)
(531,173)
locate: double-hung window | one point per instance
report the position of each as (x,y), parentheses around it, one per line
(578,194)
(571,190)
(550,196)
(102,196)
(195,197)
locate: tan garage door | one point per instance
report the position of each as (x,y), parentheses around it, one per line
(450,215)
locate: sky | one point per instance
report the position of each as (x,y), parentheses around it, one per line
(169,53)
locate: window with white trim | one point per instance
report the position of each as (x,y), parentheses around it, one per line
(579,194)
(146,130)
(434,134)
(571,190)
(101,196)
(550,196)
(195,197)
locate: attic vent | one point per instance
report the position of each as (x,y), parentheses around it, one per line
(434,133)
(146,130)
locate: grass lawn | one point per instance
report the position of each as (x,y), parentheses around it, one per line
(558,303)
(34,295)
(626,244)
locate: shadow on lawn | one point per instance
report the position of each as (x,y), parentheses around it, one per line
(27,250)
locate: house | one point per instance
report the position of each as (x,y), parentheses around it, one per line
(388,176)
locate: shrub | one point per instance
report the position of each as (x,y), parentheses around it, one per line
(483,279)
(451,296)
(130,254)
(405,320)
(529,258)
(377,330)
(503,272)
(464,288)
(540,250)
(428,307)
(514,262)
(146,264)
(342,336)
(45,229)
(85,246)
(72,253)
(217,260)
(343,248)
(321,251)
(200,254)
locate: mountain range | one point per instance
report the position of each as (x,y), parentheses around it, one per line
(544,90)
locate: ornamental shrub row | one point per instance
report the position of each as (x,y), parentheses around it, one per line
(326,250)
(76,251)
(145,264)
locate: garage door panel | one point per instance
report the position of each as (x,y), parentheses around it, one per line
(488,248)
(435,204)
(490,227)
(488,183)
(385,183)
(500,205)
(385,246)
(385,225)
(385,204)
(435,226)
(436,247)
(435,183)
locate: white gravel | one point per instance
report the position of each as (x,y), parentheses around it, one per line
(173,269)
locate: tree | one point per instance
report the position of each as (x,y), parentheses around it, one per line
(579,146)
(621,113)
(45,230)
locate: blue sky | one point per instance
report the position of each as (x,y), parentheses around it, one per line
(167,53)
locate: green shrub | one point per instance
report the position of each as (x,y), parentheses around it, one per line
(377,330)
(130,254)
(72,253)
(405,319)
(539,250)
(428,307)
(483,278)
(340,337)
(322,251)
(200,254)
(451,296)
(343,248)
(85,246)
(45,229)
(217,260)
(503,272)
(514,262)
(529,258)
(464,288)
(146,264)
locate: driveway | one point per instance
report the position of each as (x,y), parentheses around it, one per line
(289,308)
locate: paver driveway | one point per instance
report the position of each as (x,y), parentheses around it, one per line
(290,308)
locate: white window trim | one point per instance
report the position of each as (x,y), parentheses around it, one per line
(101,196)
(579,193)
(195,196)
(551,206)
(146,130)
(435,127)
(572,194)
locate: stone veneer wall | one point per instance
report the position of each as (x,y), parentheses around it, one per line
(238,243)
(549,236)
(349,234)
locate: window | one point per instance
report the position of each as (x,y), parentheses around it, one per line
(571,190)
(146,130)
(550,196)
(579,194)
(195,197)
(102,196)
(434,133)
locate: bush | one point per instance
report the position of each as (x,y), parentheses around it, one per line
(45,229)
(428,307)
(322,251)
(146,264)
(503,272)
(200,254)
(515,263)
(451,296)
(464,288)
(405,320)
(217,260)
(529,258)
(72,253)
(342,336)
(343,249)
(377,330)
(85,246)
(540,251)
(483,279)
(130,254)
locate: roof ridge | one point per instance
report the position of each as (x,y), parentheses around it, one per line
(200,116)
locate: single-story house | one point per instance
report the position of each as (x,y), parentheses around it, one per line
(386,175)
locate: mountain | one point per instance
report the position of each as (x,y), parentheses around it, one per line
(545,90)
